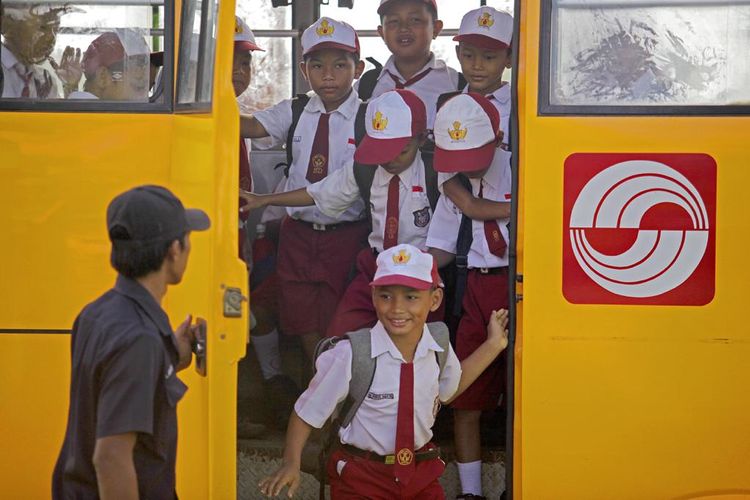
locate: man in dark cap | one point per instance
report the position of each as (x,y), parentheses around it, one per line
(121,437)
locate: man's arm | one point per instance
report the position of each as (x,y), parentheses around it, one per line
(297,434)
(475,208)
(115,471)
(480,359)
(297,198)
(251,128)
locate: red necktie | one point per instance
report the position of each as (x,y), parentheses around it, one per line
(411,81)
(317,169)
(495,240)
(390,234)
(246,184)
(26,77)
(404,467)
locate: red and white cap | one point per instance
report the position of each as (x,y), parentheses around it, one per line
(118,45)
(406,265)
(391,120)
(486,28)
(327,33)
(384,3)
(243,36)
(466,132)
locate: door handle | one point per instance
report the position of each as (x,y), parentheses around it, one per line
(199,346)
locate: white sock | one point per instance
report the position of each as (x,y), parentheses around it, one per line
(470,475)
(267,351)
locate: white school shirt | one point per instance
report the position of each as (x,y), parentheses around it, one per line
(337,192)
(13,83)
(441,79)
(373,427)
(501,99)
(443,233)
(277,120)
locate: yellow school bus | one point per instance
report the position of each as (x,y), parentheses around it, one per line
(629,346)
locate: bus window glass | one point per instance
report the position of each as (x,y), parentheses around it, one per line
(92,51)
(196,54)
(656,52)
(273,69)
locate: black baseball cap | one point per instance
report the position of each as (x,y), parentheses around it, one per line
(150,214)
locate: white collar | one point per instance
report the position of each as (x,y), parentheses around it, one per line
(501,95)
(348,108)
(7,57)
(380,343)
(385,177)
(390,65)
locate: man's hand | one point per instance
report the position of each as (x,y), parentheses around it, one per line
(497,329)
(287,475)
(185,336)
(70,69)
(253,201)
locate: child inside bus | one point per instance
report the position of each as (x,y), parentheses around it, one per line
(467,139)
(408,27)
(385,452)
(316,251)
(397,200)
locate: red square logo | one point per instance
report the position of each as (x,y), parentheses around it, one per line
(639,229)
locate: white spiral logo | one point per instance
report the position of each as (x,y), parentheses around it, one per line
(659,260)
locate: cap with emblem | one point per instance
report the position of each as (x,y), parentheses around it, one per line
(327,33)
(243,36)
(486,28)
(385,3)
(466,132)
(391,120)
(150,214)
(113,47)
(406,265)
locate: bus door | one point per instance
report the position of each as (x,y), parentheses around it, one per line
(632,356)
(70,140)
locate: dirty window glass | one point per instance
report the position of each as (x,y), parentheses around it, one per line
(84,52)
(650,52)
(197,52)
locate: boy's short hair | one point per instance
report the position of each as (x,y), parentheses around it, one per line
(136,261)
(431,7)
(353,55)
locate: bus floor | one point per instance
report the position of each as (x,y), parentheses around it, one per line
(261,455)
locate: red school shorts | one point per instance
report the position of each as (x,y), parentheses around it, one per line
(362,478)
(484,293)
(313,268)
(355,310)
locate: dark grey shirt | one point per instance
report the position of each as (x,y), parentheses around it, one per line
(123,379)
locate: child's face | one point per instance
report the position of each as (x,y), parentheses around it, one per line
(403,310)
(330,73)
(408,29)
(477,174)
(483,68)
(405,158)
(124,82)
(241,71)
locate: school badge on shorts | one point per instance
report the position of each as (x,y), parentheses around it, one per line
(422,217)
(639,229)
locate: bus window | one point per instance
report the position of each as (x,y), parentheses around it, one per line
(83,53)
(197,47)
(656,52)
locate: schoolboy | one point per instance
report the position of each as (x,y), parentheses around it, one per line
(484,51)
(316,251)
(121,436)
(408,27)
(386,450)
(399,206)
(467,138)
(116,65)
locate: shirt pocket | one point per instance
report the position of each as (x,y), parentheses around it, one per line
(175,390)
(420,209)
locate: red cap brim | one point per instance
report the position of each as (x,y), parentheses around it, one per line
(246,45)
(464,160)
(481,41)
(379,151)
(397,279)
(331,45)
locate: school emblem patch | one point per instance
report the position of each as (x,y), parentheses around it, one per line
(405,456)
(391,227)
(402,257)
(379,122)
(422,217)
(318,161)
(457,133)
(485,20)
(325,29)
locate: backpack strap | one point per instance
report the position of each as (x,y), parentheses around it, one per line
(441,335)
(359,124)
(298,106)
(368,81)
(442,98)
(461,81)
(463,244)
(363,371)
(430,176)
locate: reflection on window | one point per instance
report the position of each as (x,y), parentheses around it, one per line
(660,52)
(79,51)
(272,75)
(197,51)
